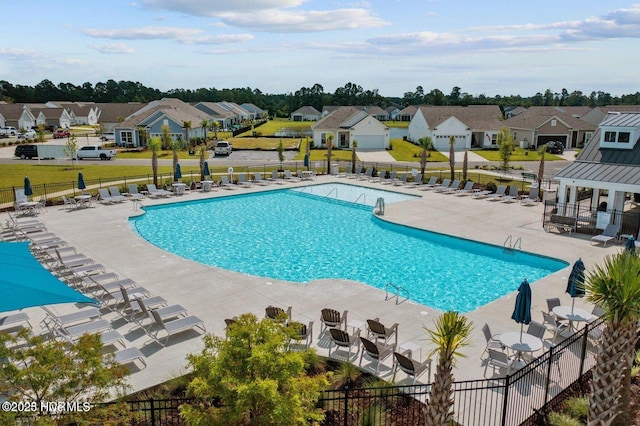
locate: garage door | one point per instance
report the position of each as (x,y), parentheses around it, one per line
(368,142)
(543,139)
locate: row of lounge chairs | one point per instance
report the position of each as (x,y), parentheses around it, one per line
(122,296)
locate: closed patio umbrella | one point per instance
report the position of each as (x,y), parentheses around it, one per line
(629,246)
(25,283)
(178,173)
(575,284)
(27,187)
(206,171)
(81,185)
(522,310)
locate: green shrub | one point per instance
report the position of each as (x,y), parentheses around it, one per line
(491,186)
(578,408)
(558,419)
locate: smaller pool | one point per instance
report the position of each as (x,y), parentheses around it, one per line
(354,194)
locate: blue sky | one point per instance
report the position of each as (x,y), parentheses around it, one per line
(493,47)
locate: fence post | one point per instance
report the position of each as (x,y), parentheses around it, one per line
(345,422)
(583,349)
(153,413)
(505,405)
(548,380)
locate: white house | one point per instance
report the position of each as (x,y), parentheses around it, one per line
(347,124)
(473,126)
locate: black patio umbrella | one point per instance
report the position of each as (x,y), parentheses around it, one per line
(81,185)
(629,246)
(27,187)
(522,310)
(575,284)
(205,170)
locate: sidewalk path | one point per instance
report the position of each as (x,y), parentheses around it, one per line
(376,157)
(472,157)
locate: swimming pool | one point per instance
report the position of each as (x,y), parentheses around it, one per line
(296,236)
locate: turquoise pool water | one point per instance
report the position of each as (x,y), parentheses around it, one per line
(300,237)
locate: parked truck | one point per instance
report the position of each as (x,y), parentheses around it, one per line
(223,148)
(95,152)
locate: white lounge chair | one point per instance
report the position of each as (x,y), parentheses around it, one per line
(226,184)
(387,180)
(512,196)
(431,184)
(117,196)
(70,203)
(467,190)
(129,355)
(500,192)
(53,320)
(275,177)
(610,232)
(366,175)
(258,179)
(242,180)
(453,187)
(19,320)
(532,198)
(156,193)
(174,327)
(401,181)
(446,183)
(134,193)
(105,197)
(289,177)
(166,312)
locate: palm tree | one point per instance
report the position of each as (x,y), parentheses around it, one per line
(205,126)
(154,145)
(452,333)
(452,156)
(203,151)
(354,146)
(186,125)
(329,146)
(465,165)
(615,288)
(215,125)
(426,144)
(542,151)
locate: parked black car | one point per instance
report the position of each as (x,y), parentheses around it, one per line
(555,147)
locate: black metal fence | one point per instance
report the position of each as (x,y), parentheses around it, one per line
(520,398)
(586,217)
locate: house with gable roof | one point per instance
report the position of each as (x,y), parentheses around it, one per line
(306,113)
(473,126)
(609,166)
(347,124)
(151,118)
(541,124)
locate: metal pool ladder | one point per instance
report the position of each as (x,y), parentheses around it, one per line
(397,289)
(510,245)
(379,207)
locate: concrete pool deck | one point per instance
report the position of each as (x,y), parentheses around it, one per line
(212,294)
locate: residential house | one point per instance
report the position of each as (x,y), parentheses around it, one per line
(609,165)
(112,114)
(512,111)
(306,113)
(393,112)
(473,126)
(346,124)
(224,117)
(407,113)
(151,118)
(257,112)
(379,113)
(55,117)
(539,125)
(10,115)
(81,113)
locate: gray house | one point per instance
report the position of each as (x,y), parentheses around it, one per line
(306,113)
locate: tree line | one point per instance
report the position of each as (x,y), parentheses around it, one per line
(284,104)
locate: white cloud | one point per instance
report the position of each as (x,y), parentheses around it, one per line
(310,21)
(181,35)
(20,54)
(113,48)
(213,7)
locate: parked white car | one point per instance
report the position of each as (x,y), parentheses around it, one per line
(29,134)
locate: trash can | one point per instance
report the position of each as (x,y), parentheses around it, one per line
(524,144)
(206,186)
(334,169)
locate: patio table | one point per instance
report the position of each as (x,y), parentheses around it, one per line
(520,343)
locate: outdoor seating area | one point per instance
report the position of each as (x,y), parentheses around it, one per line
(103,299)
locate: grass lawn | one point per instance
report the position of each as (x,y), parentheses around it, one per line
(272,126)
(397,124)
(518,154)
(406,151)
(264,143)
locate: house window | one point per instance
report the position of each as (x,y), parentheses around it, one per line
(126,137)
(623,137)
(587,136)
(553,123)
(609,136)
(323,138)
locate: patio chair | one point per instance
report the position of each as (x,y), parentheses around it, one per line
(400,181)
(481,194)
(498,359)
(19,320)
(129,309)
(493,340)
(430,184)
(453,187)
(553,325)
(330,318)
(596,313)
(500,192)
(466,190)
(278,314)
(166,312)
(536,329)
(444,185)
(175,326)
(117,196)
(74,332)
(154,192)
(242,180)
(226,184)
(410,367)
(289,177)
(128,356)
(416,182)
(134,193)
(275,177)
(69,203)
(366,175)
(375,351)
(532,198)
(376,329)
(105,196)
(512,196)
(342,339)
(53,320)
(610,232)
(552,302)
(301,332)
(257,178)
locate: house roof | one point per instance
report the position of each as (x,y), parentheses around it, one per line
(114,112)
(607,164)
(252,108)
(535,117)
(342,118)
(409,110)
(11,111)
(306,110)
(214,110)
(476,117)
